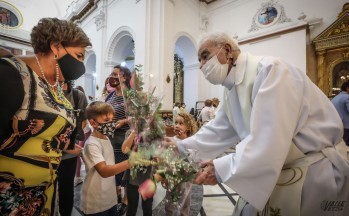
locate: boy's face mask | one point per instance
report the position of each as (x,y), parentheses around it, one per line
(106,128)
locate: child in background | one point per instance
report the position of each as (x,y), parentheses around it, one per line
(133,185)
(184,127)
(96,193)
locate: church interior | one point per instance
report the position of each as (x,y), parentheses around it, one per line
(163,36)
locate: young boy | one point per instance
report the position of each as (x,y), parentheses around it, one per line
(96,195)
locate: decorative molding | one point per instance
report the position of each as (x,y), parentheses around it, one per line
(192,67)
(313,22)
(268,15)
(110,63)
(100,20)
(204,23)
(79,9)
(268,35)
(343,40)
(345,55)
(18,36)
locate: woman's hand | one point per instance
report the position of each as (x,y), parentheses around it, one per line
(121,123)
(76,151)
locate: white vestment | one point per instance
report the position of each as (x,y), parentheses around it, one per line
(281,110)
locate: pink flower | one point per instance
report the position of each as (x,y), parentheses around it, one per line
(147,189)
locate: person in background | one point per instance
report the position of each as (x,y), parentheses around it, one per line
(67,168)
(97,198)
(192,111)
(133,185)
(87,132)
(341,102)
(185,126)
(206,113)
(215,104)
(80,88)
(182,107)
(175,111)
(120,80)
(106,90)
(36,119)
(290,155)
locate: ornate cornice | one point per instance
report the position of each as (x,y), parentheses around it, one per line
(18,36)
(342,40)
(100,20)
(78,10)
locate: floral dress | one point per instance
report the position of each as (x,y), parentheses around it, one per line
(29,157)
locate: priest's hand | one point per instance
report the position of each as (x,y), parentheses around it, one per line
(169,142)
(206,175)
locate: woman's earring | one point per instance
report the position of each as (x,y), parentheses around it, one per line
(56,56)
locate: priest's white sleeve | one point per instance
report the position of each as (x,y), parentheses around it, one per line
(212,139)
(277,97)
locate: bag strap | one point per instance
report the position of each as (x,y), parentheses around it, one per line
(108,96)
(76,98)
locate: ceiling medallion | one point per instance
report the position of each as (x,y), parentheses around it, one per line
(269,14)
(10,16)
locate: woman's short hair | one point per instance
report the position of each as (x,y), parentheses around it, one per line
(219,39)
(53,30)
(98,108)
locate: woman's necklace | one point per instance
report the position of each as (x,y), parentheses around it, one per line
(54,86)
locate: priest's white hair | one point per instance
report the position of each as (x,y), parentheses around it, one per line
(219,39)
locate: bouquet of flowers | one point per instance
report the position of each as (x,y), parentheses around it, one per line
(171,168)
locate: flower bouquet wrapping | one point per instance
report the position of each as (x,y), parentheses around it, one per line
(170,167)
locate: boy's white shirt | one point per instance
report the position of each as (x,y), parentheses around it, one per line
(98,194)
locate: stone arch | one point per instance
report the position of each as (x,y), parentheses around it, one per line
(186,44)
(89,81)
(185,48)
(115,39)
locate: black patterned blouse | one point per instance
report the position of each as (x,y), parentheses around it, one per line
(30,155)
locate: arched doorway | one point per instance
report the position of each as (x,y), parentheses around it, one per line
(90,77)
(185,71)
(121,49)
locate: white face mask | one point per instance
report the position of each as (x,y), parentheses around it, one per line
(214,71)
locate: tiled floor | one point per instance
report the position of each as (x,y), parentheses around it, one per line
(217,200)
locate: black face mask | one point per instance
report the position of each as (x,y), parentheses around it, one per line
(71,68)
(114,81)
(106,128)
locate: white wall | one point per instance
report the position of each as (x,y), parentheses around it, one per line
(290,46)
(156,25)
